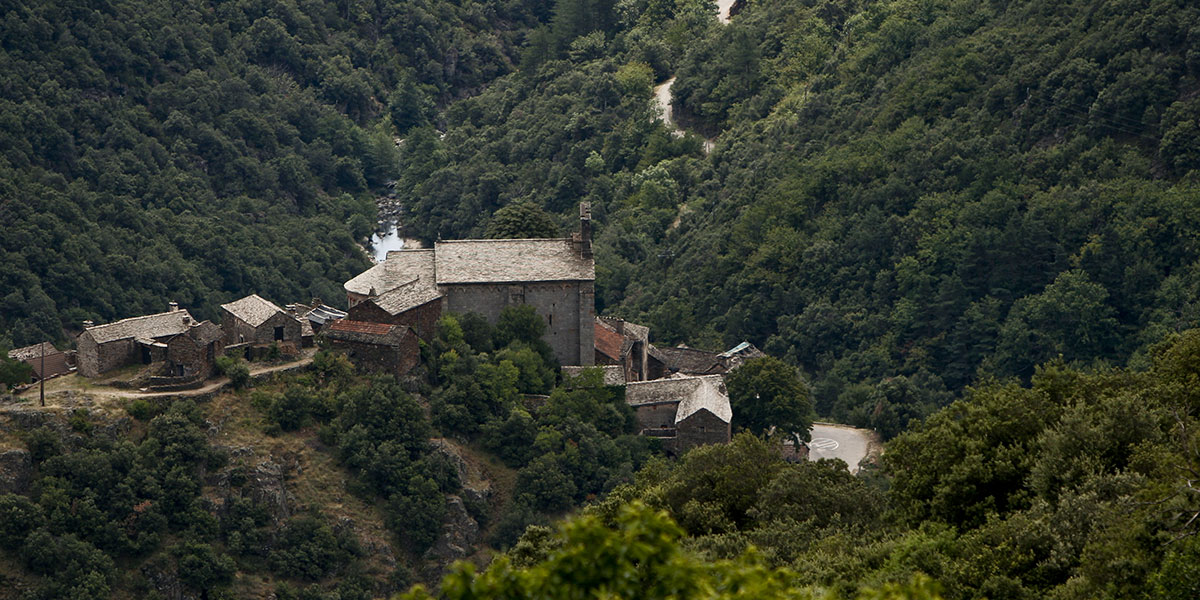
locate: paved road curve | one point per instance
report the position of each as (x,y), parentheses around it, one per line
(839,441)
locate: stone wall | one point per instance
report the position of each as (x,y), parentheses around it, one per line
(379,358)
(198,360)
(422,319)
(567,308)
(660,415)
(95,359)
(702,427)
(238,331)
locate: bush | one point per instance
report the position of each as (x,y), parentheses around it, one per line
(235,369)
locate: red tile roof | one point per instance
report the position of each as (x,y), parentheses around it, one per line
(608,342)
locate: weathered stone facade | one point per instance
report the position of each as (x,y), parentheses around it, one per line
(377,347)
(422,319)
(193,353)
(256,321)
(684,412)
(103,348)
(567,307)
(619,342)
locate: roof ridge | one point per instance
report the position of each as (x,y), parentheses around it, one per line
(127,319)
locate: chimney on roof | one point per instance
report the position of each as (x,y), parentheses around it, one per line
(174,306)
(585,229)
(88,323)
(316,302)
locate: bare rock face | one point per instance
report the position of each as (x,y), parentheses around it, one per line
(16,471)
(476,487)
(460,534)
(266,486)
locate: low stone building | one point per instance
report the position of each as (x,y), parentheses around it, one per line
(256,321)
(377,347)
(416,304)
(313,317)
(46,360)
(102,348)
(555,276)
(193,353)
(684,412)
(611,374)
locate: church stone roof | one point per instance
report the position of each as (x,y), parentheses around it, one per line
(146,327)
(399,268)
(252,309)
(407,296)
(505,261)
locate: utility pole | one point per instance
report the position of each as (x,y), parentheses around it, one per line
(42,377)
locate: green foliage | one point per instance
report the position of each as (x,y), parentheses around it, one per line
(235,369)
(767,393)
(521,220)
(309,549)
(13,372)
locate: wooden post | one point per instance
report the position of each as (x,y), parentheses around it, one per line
(42,377)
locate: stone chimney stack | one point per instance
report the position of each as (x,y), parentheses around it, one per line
(88,323)
(173,306)
(585,229)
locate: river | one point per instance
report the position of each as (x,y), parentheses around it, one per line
(389,239)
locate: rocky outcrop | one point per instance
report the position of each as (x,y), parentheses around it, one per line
(460,534)
(265,485)
(16,471)
(476,488)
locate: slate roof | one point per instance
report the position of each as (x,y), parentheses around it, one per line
(147,327)
(252,309)
(689,361)
(692,393)
(32,352)
(56,364)
(363,332)
(324,313)
(505,261)
(399,268)
(407,296)
(206,333)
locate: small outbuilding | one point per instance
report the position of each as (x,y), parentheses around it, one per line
(684,412)
(193,353)
(377,347)
(102,348)
(54,360)
(256,321)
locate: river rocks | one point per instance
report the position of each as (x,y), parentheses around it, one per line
(16,471)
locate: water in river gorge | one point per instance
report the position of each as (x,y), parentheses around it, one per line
(390,239)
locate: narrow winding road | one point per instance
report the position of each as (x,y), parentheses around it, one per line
(662,91)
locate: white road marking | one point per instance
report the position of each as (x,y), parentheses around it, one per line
(823,444)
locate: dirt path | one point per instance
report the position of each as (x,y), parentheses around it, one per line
(80,385)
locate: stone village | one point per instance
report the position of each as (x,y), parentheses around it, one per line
(678,394)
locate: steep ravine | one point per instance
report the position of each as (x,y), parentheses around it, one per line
(662,91)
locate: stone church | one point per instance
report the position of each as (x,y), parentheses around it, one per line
(555,276)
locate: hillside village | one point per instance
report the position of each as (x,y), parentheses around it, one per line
(678,394)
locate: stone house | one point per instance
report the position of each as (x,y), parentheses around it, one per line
(255,321)
(619,342)
(684,412)
(555,276)
(416,304)
(193,353)
(102,348)
(312,318)
(377,347)
(56,361)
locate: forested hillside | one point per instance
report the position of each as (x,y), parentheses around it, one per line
(200,151)
(902,196)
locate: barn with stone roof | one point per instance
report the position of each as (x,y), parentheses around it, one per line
(254,320)
(555,276)
(102,348)
(378,347)
(684,412)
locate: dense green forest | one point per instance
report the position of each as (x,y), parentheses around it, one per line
(903,196)
(972,225)
(200,151)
